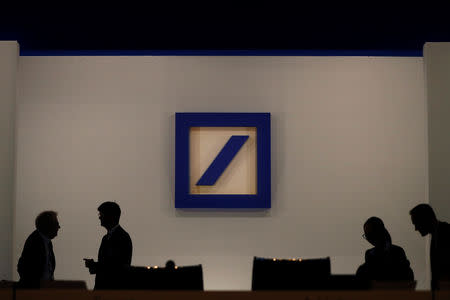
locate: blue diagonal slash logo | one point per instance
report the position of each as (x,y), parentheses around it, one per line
(223,159)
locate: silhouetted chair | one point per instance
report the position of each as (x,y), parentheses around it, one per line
(290,274)
(170,277)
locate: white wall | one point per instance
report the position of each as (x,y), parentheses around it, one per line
(437,66)
(349,141)
(9,57)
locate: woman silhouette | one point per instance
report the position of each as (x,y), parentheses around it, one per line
(384,261)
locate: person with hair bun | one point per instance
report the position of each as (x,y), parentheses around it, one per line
(385,261)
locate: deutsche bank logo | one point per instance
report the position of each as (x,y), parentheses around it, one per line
(222,160)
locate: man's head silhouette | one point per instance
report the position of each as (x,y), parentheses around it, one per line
(423,219)
(47,224)
(109,214)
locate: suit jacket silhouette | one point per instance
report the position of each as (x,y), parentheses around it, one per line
(114,259)
(386,264)
(31,265)
(440,254)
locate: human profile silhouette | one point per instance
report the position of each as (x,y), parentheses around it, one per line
(385,261)
(37,261)
(114,255)
(425,222)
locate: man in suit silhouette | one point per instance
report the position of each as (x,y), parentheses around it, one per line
(37,262)
(425,221)
(114,255)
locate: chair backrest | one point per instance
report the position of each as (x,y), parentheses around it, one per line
(178,278)
(290,274)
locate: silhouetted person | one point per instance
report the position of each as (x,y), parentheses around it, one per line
(425,221)
(170,265)
(114,255)
(37,262)
(384,261)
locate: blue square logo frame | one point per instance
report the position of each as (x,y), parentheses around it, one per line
(183,123)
